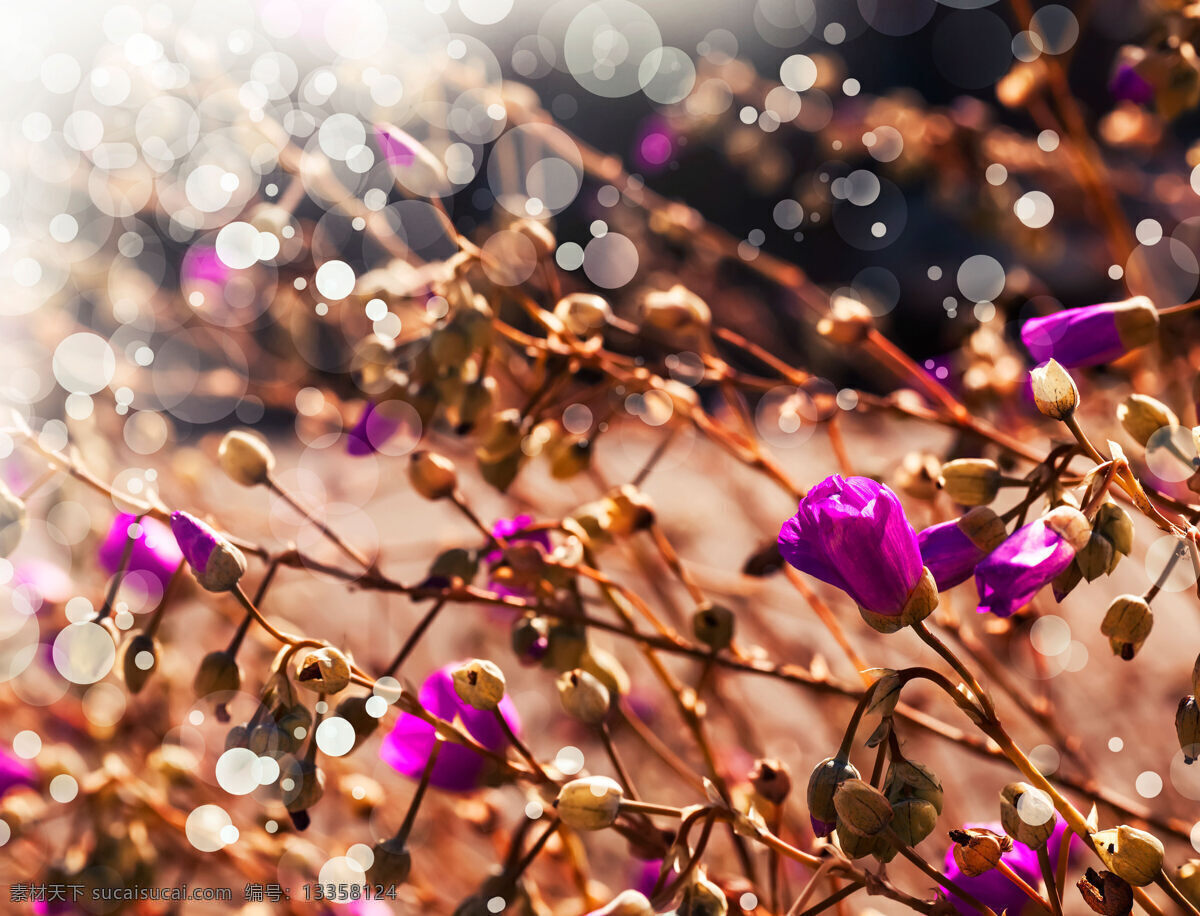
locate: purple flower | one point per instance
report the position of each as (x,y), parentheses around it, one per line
(992,888)
(398,148)
(951,550)
(853,534)
(216,563)
(654,144)
(458,769)
(513,531)
(374,427)
(1127,85)
(155,551)
(1015,571)
(14,772)
(1093,334)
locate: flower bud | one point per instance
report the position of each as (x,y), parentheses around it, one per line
(885,693)
(849,321)
(216,563)
(218,672)
(302,783)
(503,437)
(583,313)
(591,803)
(1027,814)
(1187,879)
(245,459)
(323,671)
(1095,559)
(139,659)
(479,683)
(702,898)
(530,639)
(432,475)
(453,564)
(583,696)
(772,780)
(13,520)
(861,807)
(913,819)
(354,711)
(1114,523)
(604,667)
(569,456)
(908,779)
(677,310)
(629,510)
(1187,727)
(970,481)
(626,903)
(294,723)
(1131,854)
(1143,416)
(475,405)
(918,475)
(822,784)
(854,845)
(391,864)
(1054,391)
(501,472)
(1127,623)
(1064,583)
(1106,893)
(978,850)
(713,625)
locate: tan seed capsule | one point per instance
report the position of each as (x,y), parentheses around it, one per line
(978,850)
(583,314)
(984,527)
(583,696)
(1143,416)
(970,481)
(479,683)
(604,667)
(629,510)
(823,784)
(302,784)
(1095,559)
(1114,523)
(323,670)
(712,625)
(1127,623)
(1187,879)
(913,819)
(772,780)
(1187,728)
(677,310)
(703,898)
(245,459)
(1131,854)
(861,807)
(1027,814)
(432,475)
(591,803)
(854,845)
(909,779)
(570,456)
(1106,893)
(1054,391)
(849,321)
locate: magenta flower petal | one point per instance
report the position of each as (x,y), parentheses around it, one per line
(155,551)
(196,540)
(513,531)
(1093,334)
(1015,571)
(15,772)
(458,769)
(393,146)
(374,427)
(1127,85)
(949,554)
(853,534)
(991,887)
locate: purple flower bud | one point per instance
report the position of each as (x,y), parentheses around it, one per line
(1093,334)
(992,887)
(216,563)
(951,550)
(15,772)
(853,534)
(821,828)
(1015,571)
(458,769)
(154,552)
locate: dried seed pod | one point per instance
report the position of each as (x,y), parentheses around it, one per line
(702,898)
(1054,391)
(861,807)
(583,314)
(604,667)
(1127,624)
(970,481)
(1131,854)
(432,475)
(1187,728)
(139,659)
(1143,416)
(854,845)
(245,458)
(591,803)
(676,311)
(885,693)
(324,670)
(294,722)
(913,819)
(583,696)
(1027,814)
(503,437)
(712,625)
(475,405)
(907,779)
(216,563)
(849,321)
(1114,523)
(13,520)
(822,785)
(479,683)
(772,780)
(978,850)
(1106,893)
(391,864)
(629,510)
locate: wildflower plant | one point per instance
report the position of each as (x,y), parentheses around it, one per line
(412,502)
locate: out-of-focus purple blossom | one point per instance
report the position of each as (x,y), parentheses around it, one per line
(852,533)
(155,551)
(654,145)
(1127,85)
(993,888)
(458,769)
(394,146)
(1009,577)
(1092,334)
(15,772)
(40,580)
(201,264)
(374,427)
(513,531)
